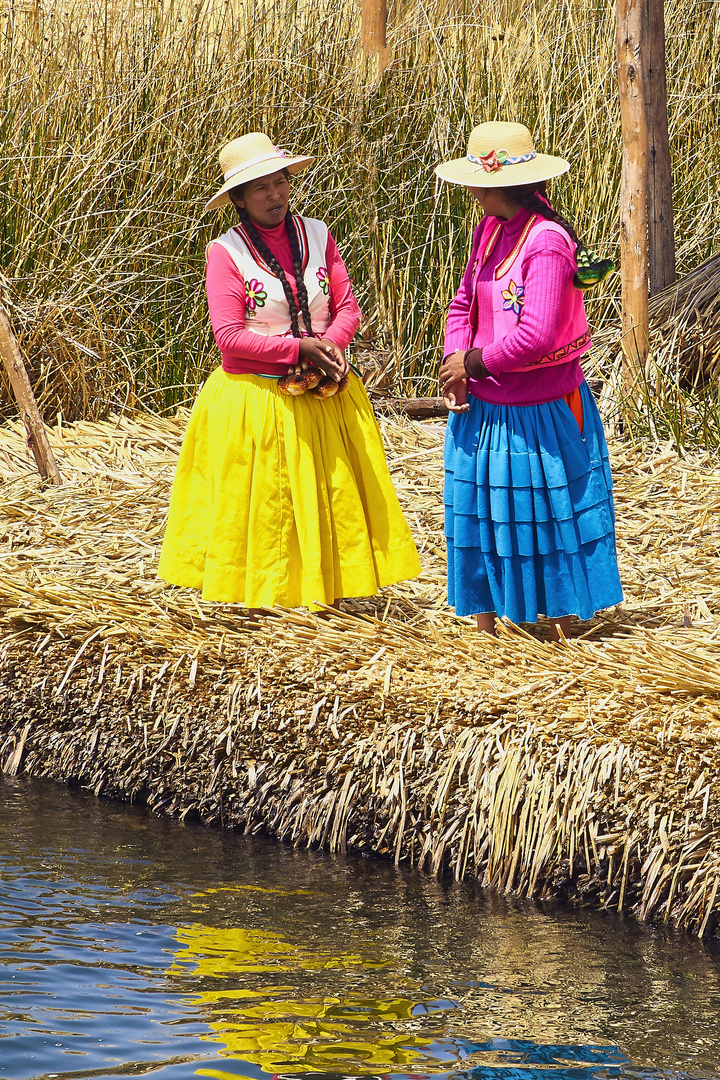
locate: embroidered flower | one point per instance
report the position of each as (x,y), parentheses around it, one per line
(514,298)
(255,297)
(494,160)
(322,276)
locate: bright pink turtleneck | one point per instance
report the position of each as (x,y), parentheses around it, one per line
(246,353)
(548,267)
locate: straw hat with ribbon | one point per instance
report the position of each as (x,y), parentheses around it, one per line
(250,157)
(501,155)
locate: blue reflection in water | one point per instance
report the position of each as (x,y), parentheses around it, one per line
(526,1051)
(609,1057)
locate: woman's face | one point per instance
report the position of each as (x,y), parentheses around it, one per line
(496,202)
(266,199)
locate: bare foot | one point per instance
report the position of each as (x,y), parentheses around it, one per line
(558,627)
(486,623)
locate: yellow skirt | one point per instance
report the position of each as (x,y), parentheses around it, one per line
(283,500)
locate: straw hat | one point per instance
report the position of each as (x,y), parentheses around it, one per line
(501,155)
(250,157)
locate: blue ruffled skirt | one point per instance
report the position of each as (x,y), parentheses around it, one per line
(529,516)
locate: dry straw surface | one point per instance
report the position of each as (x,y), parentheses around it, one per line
(585,770)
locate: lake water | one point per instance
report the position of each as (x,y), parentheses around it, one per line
(137,946)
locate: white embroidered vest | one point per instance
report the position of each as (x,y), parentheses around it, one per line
(266,308)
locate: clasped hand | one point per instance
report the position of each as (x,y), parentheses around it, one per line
(323,354)
(453,382)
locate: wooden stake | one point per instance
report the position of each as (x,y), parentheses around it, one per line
(633,192)
(661,237)
(37,438)
(374,31)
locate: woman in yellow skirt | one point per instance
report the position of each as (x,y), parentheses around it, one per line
(282,494)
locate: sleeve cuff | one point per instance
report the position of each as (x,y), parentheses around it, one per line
(474,364)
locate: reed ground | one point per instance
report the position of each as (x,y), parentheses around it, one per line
(585,770)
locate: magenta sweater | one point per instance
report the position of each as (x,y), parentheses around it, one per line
(247,353)
(548,269)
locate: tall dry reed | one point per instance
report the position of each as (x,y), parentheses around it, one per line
(112,115)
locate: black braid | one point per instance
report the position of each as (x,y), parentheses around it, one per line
(299,273)
(274,266)
(528,197)
(590,269)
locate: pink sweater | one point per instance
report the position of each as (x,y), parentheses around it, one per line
(246,353)
(548,269)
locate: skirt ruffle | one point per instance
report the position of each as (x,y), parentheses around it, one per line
(282,500)
(529,516)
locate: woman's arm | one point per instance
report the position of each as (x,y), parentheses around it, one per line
(226,302)
(549,268)
(458,332)
(345,314)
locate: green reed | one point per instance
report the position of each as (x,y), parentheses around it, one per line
(113,114)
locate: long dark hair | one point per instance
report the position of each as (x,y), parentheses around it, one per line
(249,225)
(532,197)
(590,270)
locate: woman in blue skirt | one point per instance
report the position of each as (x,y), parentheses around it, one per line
(529,513)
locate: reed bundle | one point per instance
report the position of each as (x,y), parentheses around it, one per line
(686,324)
(585,770)
(679,394)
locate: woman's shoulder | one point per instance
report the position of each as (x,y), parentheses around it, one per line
(314,226)
(222,254)
(550,236)
(483,230)
(548,240)
(486,224)
(230,235)
(229,240)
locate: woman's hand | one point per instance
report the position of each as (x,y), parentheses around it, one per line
(455,396)
(336,356)
(453,369)
(325,355)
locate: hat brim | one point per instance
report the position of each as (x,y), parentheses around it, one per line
(468,174)
(254,172)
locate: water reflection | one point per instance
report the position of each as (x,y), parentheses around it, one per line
(132,945)
(273,1028)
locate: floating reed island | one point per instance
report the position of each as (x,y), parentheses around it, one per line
(584,771)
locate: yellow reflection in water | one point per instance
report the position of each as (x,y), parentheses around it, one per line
(253,888)
(272,1028)
(218,951)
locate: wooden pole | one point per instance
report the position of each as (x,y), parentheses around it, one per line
(661,237)
(374,31)
(633,191)
(37,438)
